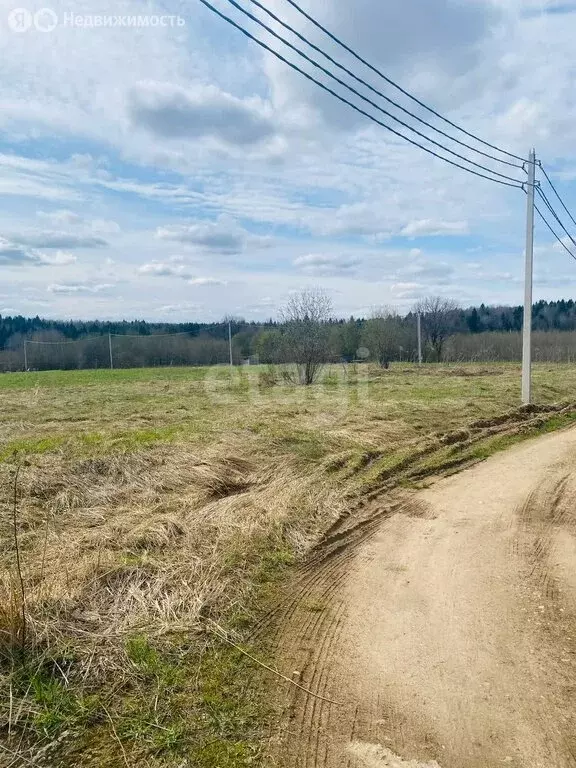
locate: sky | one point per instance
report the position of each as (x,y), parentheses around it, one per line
(177,172)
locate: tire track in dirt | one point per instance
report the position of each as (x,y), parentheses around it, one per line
(541,514)
(319,715)
(548,515)
(443,623)
(323,587)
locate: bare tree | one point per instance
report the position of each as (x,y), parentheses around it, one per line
(380,335)
(438,316)
(306,332)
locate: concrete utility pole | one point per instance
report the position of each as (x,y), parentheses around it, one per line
(25,356)
(528,277)
(230,343)
(419,322)
(110,350)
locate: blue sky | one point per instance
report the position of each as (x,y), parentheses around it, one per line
(180,173)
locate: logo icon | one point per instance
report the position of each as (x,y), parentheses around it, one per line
(20,20)
(45,20)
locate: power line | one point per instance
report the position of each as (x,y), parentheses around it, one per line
(114,335)
(562,243)
(365,98)
(359,79)
(324,87)
(555,215)
(549,180)
(60,343)
(395,85)
(148,335)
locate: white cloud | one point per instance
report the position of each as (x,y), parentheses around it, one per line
(169,111)
(59,240)
(567,242)
(434,272)
(217,237)
(180,308)
(164,269)
(223,236)
(11,253)
(59,259)
(104,226)
(327,264)
(205,281)
(74,288)
(408,290)
(173,268)
(424,43)
(70,220)
(429,227)
(16,254)
(61,217)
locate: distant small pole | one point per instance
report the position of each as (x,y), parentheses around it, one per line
(110,350)
(25,356)
(230,343)
(419,316)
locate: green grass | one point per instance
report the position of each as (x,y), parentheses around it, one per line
(175,705)
(80,411)
(174,700)
(500,443)
(99,378)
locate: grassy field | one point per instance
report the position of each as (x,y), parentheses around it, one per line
(155,507)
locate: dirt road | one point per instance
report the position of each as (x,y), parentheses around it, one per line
(443,626)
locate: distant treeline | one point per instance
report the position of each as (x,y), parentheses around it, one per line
(547,316)
(475,333)
(13,330)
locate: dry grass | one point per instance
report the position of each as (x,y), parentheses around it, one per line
(151,539)
(152,502)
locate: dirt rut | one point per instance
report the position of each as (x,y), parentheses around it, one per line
(442,626)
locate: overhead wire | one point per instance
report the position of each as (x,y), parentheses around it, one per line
(114,335)
(362,81)
(559,239)
(59,343)
(365,98)
(550,207)
(503,179)
(391,82)
(549,180)
(511,183)
(148,335)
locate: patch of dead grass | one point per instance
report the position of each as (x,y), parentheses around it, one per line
(157,543)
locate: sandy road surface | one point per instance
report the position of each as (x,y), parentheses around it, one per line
(443,626)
